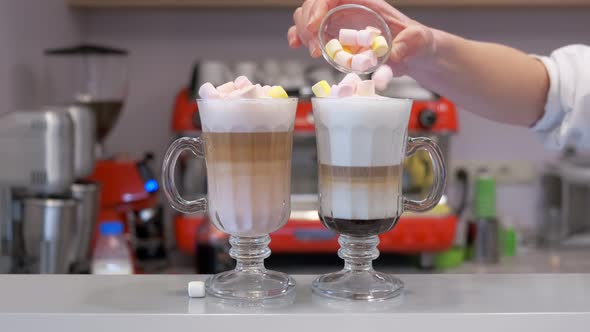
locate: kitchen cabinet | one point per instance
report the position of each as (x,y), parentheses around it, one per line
(295,3)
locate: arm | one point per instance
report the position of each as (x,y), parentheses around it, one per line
(494,81)
(491,80)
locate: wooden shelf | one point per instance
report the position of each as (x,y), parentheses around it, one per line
(295,3)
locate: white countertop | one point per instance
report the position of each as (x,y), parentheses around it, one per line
(457,303)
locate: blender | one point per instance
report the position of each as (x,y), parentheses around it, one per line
(97,77)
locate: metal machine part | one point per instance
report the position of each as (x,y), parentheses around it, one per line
(87,196)
(566,191)
(84,140)
(37,149)
(48,232)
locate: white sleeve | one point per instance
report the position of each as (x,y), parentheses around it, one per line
(566,121)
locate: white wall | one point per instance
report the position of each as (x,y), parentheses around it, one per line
(26,29)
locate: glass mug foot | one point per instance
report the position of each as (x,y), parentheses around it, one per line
(250,281)
(358,280)
(247,286)
(362,285)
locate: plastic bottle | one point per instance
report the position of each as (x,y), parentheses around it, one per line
(111,255)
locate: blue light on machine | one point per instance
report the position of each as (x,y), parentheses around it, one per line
(151,186)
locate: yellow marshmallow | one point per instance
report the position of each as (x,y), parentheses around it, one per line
(321,89)
(380,46)
(277,91)
(332,47)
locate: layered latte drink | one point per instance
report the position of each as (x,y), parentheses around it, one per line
(248,145)
(361,145)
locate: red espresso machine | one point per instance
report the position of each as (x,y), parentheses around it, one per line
(424,233)
(96,77)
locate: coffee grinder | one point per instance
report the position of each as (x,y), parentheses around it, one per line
(97,77)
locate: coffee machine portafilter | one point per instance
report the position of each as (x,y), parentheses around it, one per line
(43,153)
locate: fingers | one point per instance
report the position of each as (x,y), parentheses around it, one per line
(414,40)
(307,38)
(293,38)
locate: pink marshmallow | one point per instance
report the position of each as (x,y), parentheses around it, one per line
(360,63)
(365,88)
(343,58)
(208,91)
(265,90)
(365,38)
(334,91)
(260,93)
(351,79)
(348,37)
(382,76)
(345,90)
(374,30)
(226,88)
(371,56)
(242,82)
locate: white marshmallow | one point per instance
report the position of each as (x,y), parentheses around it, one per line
(334,91)
(242,82)
(351,78)
(382,76)
(343,58)
(374,30)
(348,37)
(346,90)
(365,88)
(360,63)
(226,88)
(365,38)
(265,90)
(196,289)
(371,56)
(207,91)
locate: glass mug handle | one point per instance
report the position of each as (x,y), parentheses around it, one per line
(194,145)
(440,174)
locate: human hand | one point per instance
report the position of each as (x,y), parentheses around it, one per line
(413,44)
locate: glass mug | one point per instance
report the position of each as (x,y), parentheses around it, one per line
(362,143)
(247,146)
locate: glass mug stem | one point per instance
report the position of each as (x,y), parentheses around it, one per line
(358,252)
(195,146)
(439,169)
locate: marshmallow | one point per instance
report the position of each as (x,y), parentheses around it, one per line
(260,93)
(374,30)
(351,49)
(348,37)
(334,90)
(351,78)
(321,89)
(343,58)
(371,56)
(248,92)
(242,82)
(277,91)
(382,76)
(365,38)
(365,88)
(226,88)
(333,47)
(360,63)
(380,46)
(345,90)
(207,91)
(196,289)
(265,90)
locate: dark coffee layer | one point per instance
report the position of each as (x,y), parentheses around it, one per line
(357,227)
